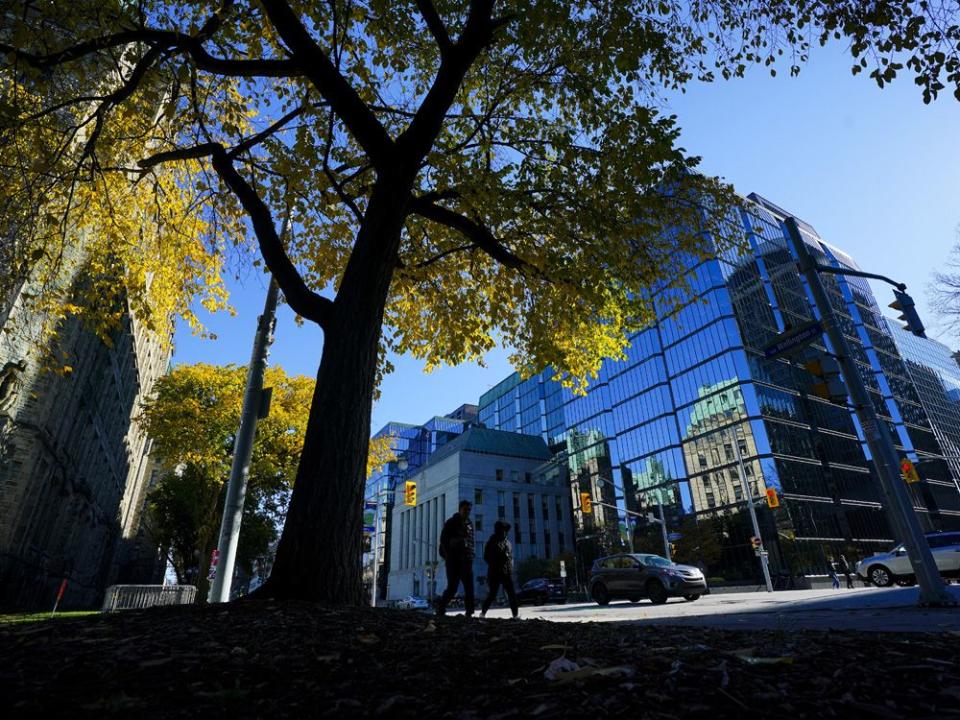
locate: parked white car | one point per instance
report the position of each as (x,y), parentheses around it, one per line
(885,569)
(412,602)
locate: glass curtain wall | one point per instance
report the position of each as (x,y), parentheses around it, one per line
(656,432)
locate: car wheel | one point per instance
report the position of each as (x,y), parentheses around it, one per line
(880,576)
(906,581)
(691,598)
(600,594)
(634,599)
(656,592)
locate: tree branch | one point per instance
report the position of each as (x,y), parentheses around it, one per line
(478,234)
(435,25)
(301,298)
(415,142)
(317,67)
(445,253)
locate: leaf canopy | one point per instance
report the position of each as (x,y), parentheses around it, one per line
(549,193)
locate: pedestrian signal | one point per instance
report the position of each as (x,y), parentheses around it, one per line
(586,504)
(756,542)
(908,472)
(410,493)
(772,499)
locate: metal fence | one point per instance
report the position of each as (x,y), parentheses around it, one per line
(133,597)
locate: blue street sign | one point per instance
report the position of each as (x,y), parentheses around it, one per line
(793,340)
(673,537)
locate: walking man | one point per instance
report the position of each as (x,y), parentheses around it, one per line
(847,569)
(498,553)
(457,549)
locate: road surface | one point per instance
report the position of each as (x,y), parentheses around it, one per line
(871,609)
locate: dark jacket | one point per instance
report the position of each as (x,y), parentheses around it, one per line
(456,539)
(498,554)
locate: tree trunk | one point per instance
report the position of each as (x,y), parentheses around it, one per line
(319,554)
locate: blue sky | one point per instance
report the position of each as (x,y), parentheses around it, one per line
(876,172)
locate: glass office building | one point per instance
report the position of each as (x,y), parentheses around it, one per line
(935,374)
(656,429)
(413,445)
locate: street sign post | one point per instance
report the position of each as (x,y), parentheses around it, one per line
(793,340)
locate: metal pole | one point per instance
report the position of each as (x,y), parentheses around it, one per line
(663,531)
(885,459)
(748,495)
(243,448)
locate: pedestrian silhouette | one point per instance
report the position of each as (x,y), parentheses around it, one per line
(457,550)
(847,569)
(498,554)
(833,573)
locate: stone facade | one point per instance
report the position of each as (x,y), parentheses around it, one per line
(507,476)
(74,462)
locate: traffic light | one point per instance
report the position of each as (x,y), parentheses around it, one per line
(908,313)
(756,542)
(908,472)
(772,500)
(586,505)
(410,493)
(827,383)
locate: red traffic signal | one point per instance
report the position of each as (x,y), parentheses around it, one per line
(908,472)
(772,499)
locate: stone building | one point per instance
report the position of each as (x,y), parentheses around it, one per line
(74,461)
(507,476)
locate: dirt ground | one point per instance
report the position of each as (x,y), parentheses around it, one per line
(266,659)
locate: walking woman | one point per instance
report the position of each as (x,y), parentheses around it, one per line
(498,554)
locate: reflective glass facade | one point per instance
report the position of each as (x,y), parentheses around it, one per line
(935,374)
(658,427)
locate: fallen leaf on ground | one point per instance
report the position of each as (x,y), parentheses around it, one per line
(560,665)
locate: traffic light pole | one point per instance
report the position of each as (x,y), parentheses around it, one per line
(887,464)
(748,496)
(661,520)
(663,531)
(242,451)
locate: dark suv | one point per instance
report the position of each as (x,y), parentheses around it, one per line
(541,591)
(635,576)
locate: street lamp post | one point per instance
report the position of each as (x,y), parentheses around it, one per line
(253,409)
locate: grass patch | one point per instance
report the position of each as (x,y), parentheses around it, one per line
(38,617)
